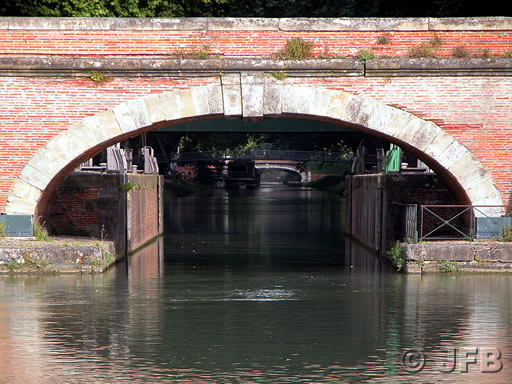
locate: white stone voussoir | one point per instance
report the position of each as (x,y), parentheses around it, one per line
(23,198)
(232,94)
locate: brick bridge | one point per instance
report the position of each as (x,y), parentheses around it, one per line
(72,87)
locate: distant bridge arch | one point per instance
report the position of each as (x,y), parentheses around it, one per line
(285,165)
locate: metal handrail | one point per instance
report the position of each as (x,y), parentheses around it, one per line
(406,223)
(449,222)
(260,154)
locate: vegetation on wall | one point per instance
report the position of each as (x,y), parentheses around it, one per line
(295,49)
(396,255)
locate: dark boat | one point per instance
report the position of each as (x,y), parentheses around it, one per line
(242,174)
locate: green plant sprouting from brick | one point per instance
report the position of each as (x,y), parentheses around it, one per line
(384,39)
(421,50)
(129,186)
(201,53)
(295,49)
(486,53)
(279,75)
(426,49)
(460,51)
(436,41)
(397,255)
(99,78)
(366,55)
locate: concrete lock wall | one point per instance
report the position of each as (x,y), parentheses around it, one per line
(144,210)
(122,208)
(72,87)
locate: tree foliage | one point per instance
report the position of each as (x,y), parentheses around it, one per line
(109,8)
(324,142)
(250,8)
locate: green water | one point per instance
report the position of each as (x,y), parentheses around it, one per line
(250,287)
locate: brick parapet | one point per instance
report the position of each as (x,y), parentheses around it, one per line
(230,37)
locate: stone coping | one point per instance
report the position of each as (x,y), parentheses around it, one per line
(404,66)
(462,256)
(258,24)
(61,255)
(67,66)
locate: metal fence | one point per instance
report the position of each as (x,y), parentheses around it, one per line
(430,222)
(259,154)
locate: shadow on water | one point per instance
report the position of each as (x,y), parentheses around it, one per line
(271,225)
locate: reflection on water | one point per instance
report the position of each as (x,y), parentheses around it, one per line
(269,225)
(273,313)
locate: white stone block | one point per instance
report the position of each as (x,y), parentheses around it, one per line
(469,171)
(200,100)
(124,118)
(439,144)
(336,104)
(185,103)
(36,177)
(252,99)
(232,95)
(272,98)
(139,113)
(367,113)
(397,122)
(170,105)
(23,198)
(452,153)
(297,99)
(154,108)
(215,103)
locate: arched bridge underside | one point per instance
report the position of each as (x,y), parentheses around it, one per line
(251,97)
(284,165)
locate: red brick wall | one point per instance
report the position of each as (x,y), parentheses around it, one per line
(240,43)
(70,214)
(476,110)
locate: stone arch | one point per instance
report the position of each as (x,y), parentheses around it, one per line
(251,98)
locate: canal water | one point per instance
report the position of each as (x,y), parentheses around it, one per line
(254,287)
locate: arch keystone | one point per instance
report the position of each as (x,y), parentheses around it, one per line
(231,94)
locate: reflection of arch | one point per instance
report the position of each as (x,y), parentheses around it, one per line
(303,175)
(250,97)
